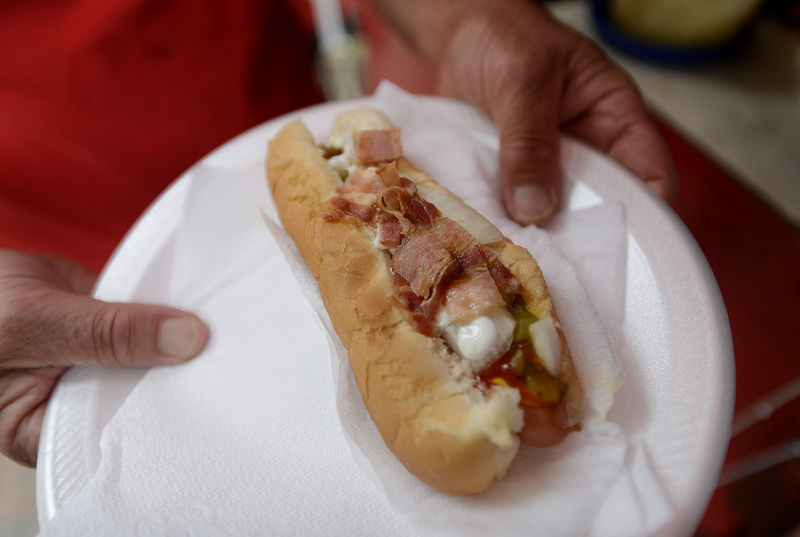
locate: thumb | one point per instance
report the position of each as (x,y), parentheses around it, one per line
(530,169)
(71,329)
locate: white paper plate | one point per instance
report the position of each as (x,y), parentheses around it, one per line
(676,328)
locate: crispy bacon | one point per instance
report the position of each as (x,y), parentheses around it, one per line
(362,181)
(423,312)
(424,262)
(436,262)
(362,213)
(420,211)
(445,264)
(389,176)
(390,230)
(399,202)
(506,282)
(459,242)
(470,295)
(377,146)
(472,254)
(397,209)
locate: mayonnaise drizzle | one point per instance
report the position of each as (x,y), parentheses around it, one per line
(482,340)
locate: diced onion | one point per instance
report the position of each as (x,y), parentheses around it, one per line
(453,208)
(346,124)
(547,345)
(483,339)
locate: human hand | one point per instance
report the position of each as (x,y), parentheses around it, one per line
(48,323)
(535,78)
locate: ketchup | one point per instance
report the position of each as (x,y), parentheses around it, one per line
(519,368)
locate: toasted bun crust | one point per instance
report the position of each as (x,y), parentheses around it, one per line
(421,396)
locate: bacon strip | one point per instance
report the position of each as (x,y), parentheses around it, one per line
(506,282)
(403,205)
(471,254)
(362,181)
(342,206)
(423,312)
(397,209)
(389,176)
(377,146)
(470,295)
(436,261)
(424,262)
(390,230)
(444,264)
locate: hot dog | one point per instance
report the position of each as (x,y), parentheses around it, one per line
(451,332)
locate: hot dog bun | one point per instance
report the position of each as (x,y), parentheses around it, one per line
(445,429)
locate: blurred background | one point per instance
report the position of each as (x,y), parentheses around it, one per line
(723,80)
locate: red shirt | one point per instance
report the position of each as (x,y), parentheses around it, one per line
(104,102)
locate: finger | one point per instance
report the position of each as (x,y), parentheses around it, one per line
(644,152)
(494,62)
(634,142)
(23,398)
(64,329)
(646,155)
(530,172)
(619,124)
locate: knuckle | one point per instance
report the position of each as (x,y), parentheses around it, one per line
(526,151)
(523,76)
(530,145)
(113,335)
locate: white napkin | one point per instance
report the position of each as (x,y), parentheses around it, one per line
(265,433)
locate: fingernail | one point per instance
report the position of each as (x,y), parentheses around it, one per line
(180,338)
(533,203)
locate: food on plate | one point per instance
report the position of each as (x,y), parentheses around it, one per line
(451,332)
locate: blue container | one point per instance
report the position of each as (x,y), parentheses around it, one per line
(655,51)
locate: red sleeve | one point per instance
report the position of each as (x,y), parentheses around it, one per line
(103,104)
